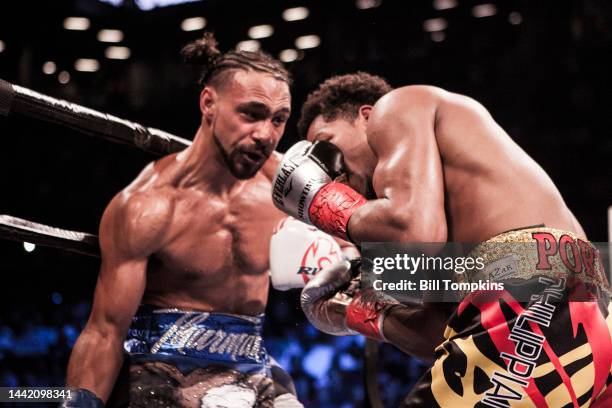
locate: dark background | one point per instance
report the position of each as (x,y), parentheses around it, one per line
(545,79)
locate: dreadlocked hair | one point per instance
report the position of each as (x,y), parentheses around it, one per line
(340,97)
(215,66)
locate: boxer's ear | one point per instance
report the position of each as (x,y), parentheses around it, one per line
(208,98)
(364,112)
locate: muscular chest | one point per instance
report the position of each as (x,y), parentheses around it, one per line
(222,234)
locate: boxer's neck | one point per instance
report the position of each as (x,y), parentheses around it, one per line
(202,164)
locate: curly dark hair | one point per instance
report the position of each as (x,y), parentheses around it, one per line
(340,97)
(215,65)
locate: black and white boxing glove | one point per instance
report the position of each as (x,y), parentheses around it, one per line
(298,251)
(335,303)
(304,187)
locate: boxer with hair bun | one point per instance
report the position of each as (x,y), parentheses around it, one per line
(185,249)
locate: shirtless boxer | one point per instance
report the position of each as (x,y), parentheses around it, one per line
(426,165)
(185,252)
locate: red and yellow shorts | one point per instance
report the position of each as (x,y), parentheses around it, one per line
(554,350)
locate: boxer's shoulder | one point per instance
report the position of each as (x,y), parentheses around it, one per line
(405,111)
(407,105)
(138,220)
(409,97)
(155,203)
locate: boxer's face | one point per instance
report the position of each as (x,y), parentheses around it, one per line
(351,139)
(247,117)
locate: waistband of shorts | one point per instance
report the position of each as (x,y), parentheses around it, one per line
(212,338)
(530,252)
(526,234)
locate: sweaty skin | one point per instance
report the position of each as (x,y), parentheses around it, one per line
(437,167)
(188,233)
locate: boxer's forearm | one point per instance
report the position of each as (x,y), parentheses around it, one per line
(95,362)
(382,220)
(415,329)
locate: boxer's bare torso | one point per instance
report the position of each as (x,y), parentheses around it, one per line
(192,231)
(491,185)
(442,170)
(437,167)
(213,252)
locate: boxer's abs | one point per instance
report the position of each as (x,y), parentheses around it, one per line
(243,295)
(218,259)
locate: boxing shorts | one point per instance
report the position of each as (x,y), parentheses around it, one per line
(553,349)
(196,359)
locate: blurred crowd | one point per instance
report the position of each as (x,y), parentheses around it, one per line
(328,371)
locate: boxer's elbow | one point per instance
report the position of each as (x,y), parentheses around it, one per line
(415,226)
(108,326)
(104,333)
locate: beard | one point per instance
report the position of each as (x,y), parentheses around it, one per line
(241,167)
(241,162)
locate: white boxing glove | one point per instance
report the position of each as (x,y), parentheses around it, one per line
(298,251)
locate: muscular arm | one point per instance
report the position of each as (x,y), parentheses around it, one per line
(408,178)
(416,329)
(131,230)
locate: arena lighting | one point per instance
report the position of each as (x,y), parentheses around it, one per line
(57,298)
(147,5)
(367,4)
(63,77)
(248,45)
(444,4)
(29,247)
(434,24)
(515,18)
(438,36)
(49,67)
(307,41)
(76,23)
(1,45)
(119,53)
(288,55)
(115,3)
(261,31)
(86,65)
(484,10)
(193,24)
(110,36)
(295,14)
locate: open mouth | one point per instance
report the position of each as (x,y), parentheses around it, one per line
(252,157)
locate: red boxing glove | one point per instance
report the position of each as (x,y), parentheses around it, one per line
(366,316)
(304,187)
(335,304)
(332,207)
